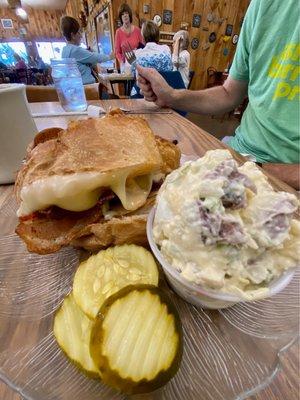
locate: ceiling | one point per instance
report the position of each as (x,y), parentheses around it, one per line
(42,4)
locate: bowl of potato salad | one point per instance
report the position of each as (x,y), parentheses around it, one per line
(222,234)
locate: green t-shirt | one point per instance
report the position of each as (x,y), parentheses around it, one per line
(267,57)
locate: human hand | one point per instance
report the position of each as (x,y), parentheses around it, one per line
(153,87)
(112,55)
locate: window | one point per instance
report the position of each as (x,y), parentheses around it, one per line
(57,48)
(45,51)
(7,51)
(48,50)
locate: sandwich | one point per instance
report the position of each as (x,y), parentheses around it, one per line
(91,185)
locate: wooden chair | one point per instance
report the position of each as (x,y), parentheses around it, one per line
(36,94)
(191,76)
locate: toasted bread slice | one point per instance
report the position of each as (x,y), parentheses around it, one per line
(89,229)
(113,143)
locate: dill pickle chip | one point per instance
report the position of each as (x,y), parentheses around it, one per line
(72,330)
(105,273)
(136,339)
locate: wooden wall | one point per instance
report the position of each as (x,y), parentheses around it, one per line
(223,12)
(42,24)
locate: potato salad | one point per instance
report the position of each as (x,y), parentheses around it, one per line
(224,227)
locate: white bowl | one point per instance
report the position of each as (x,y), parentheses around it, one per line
(196,294)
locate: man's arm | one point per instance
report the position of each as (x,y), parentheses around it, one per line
(215,100)
(288,173)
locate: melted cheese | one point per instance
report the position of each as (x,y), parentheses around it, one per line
(81,191)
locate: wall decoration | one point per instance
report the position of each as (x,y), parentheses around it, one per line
(167,17)
(184,26)
(210,17)
(225,51)
(196,21)
(194,43)
(235,39)
(212,37)
(7,23)
(22,31)
(157,20)
(166,37)
(225,39)
(218,20)
(206,46)
(146,8)
(229,29)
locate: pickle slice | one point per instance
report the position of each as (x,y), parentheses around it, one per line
(72,330)
(110,270)
(136,339)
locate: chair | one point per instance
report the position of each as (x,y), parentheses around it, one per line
(191,76)
(36,94)
(173,78)
(21,75)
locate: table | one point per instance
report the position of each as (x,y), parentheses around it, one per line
(115,78)
(191,140)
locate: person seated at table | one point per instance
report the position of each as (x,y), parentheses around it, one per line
(31,62)
(40,63)
(127,33)
(85,59)
(153,55)
(20,69)
(181,57)
(20,63)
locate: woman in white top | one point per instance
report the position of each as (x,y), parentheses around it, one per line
(181,57)
(153,55)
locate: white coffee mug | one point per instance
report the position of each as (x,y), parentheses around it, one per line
(17,129)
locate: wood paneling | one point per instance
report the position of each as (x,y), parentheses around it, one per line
(42,24)
(223,11)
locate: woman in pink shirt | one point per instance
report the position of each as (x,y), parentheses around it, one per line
(127,34)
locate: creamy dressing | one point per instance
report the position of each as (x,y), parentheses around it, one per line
(224,227)
(81,191)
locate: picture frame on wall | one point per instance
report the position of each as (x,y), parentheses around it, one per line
(7,23)
(167,17)
(196,21)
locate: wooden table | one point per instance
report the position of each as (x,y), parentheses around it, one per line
(191,140)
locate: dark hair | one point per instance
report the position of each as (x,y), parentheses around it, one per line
(69,25)
(150,32)
(125,8)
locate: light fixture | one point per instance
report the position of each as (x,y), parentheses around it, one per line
(21,12)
